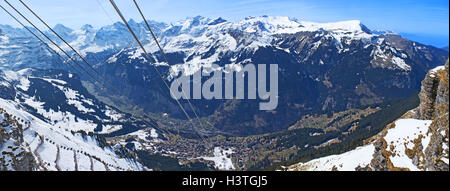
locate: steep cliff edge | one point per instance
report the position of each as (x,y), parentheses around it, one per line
(427,150)
(419,140)
(436,154)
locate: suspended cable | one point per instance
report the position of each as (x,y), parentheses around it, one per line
(76,52)
(114,49)
(51,49)
(42,41)
(48,38)
(48,47)
(104,11)
(154,66)
(165,57)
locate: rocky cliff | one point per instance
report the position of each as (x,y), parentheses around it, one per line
(436,154)
(429,150)
(419,140)
(13,155)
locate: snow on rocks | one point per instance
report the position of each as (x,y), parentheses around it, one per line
(348,161)
(434,70)
(221,158)
(401,138)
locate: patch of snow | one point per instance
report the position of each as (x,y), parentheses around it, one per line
(434,70)
(347,161)
(153,133)
(112,114)
(222,158)
(401,63)
(110,128)
(141,134)
(53,81)
(72,99)
(24,84)
(404,132)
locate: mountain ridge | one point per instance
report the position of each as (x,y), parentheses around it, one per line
(342,72)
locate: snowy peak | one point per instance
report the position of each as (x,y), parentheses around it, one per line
(87,27)
(384,32)
(269,24)
(344,26)
(195,21)
(217,21)
(280,25)
(59,28)
(132,22)
(197,26)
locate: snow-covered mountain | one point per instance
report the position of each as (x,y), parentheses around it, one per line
(204,41)
(19,49)
(312,58)
(323,68)
(315,54)
(196,36)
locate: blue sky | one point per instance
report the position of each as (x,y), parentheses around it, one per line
(426,21)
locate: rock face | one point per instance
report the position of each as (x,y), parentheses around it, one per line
(437,150)
(379,161)
(13,155)
(427,96)
(434,100)
(434,94)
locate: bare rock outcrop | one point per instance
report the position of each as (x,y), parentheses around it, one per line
(434,105)
(437,151)
(427,96)
(379,161)
(13,156)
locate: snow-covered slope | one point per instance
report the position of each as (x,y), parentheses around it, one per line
(56,148)
(399,139)
(62,124)
(59,98)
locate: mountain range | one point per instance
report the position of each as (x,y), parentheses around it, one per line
(336,72)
